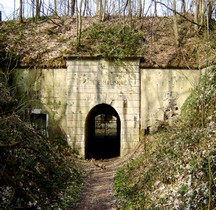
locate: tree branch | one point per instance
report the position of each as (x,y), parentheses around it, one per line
(178,13)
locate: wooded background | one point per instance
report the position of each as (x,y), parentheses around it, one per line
(103,8)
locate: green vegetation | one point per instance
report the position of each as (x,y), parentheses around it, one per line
(199,108)
(177,166)
(113,40)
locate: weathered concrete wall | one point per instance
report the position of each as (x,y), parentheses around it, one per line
(93,82)
(48,92)
(163,93)
(143,98)
(68,95)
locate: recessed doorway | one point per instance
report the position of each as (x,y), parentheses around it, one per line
(102,133)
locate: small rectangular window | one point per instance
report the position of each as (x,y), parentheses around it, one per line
(40,123)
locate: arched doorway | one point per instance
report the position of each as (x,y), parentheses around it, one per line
(102,133)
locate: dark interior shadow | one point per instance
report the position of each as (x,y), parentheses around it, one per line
(102,133)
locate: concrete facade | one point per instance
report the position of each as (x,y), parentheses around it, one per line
(141,97)
(93,82)
(163,92)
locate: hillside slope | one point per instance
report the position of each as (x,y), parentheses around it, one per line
(50,41)
(177,167)
(35,171)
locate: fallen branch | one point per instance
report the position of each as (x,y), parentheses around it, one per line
(10,145)
(100,165)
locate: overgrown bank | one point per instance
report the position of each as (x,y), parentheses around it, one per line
(47,43)
(35,171)
(177,168)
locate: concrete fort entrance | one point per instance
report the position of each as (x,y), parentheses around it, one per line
(102,107)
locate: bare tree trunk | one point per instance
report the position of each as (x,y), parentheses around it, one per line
(32,7)
(79,23)
(88,8)
(196,15)
(73,4)
(140,9)
(104,10)
(85,7)
(130,10)
(37,13)
(144,3)
(183,7)
(199,16)
(100,10)
(124,11)
(68,7)
(210,8)
(98,7)
(119,8)
(175,23)
(21,12)
(42,3)
(14,10)
(155,9)
(202,12)
(129,6)
(55,8)
(65,7)
(209,14)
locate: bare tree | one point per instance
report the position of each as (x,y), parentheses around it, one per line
(104,9)
(140,9)
(37,12)
(79,22)
(14,9)
(199,13)
(209,15)
(183,7)
(73,7)
(21,12)
(98,7)
(202,12)
(85,3)
(55,8)
(155,9)
(129,10)
(32,6)
(202,9)
(88,10)
(175,23)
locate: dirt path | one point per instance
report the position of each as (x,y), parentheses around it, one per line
(98,185)
(98,189)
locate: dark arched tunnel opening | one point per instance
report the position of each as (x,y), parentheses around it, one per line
(102,133)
